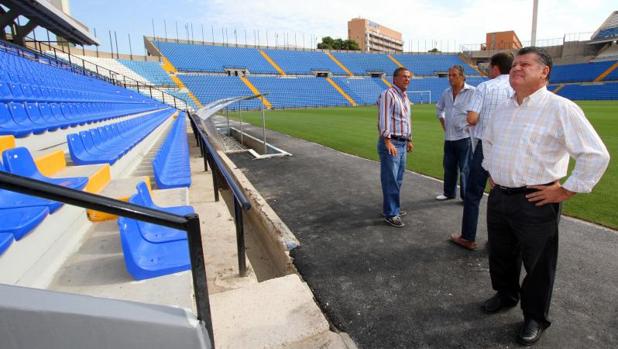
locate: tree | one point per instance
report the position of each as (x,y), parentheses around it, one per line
(329,43)
(434,50)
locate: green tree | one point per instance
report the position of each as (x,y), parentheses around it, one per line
(329,43)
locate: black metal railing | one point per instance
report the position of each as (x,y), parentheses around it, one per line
(189,223)
(221,178)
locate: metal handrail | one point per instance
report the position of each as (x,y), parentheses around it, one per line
(219,170)
(189,223)
(238,193)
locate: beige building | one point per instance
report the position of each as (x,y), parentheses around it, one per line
(372,37)
(507,40)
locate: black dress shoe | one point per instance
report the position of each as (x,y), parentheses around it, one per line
(530,332)
(497,303)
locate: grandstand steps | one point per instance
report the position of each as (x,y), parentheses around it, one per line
(387,83)
(395,61)
(119,189)
(606,72)
(284,321)
(272,62)
(342,92)
(97,266)
(330,55)
(255,91)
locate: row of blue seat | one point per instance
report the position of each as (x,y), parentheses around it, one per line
(152,250)
(106,144)
(20,213)
(47,82)
(171,164)
(21,119)
(575,92)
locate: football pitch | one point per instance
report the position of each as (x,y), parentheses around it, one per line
(354,131)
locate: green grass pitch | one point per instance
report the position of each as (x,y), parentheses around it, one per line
(354,131)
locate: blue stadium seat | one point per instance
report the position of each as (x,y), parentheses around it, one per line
(107,144)
(429,64)
(211,88)
(171,164)
(156,233)
(364,90)
(210,58)
(6,240)
(146,200)
(362,63)
(151,71)
(8,126)
(19,161)
(20,221)
(36,97)
(582,72)
(145,259)
(304,62)
(601,91)
(298,92)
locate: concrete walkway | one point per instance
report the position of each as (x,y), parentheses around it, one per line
(410,287)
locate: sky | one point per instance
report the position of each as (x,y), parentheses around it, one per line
(448,25)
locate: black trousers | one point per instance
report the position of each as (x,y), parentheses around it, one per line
(518,232)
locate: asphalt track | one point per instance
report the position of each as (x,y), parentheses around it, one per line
(410,288)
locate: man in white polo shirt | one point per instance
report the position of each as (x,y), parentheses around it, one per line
(451,112)
(527,146)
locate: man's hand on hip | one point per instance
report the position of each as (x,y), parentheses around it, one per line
(548,194)
(390,147)
(410,146)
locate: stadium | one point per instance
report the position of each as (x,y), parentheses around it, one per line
(223,194)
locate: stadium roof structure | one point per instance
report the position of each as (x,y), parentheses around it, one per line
(608,31)
(42,13)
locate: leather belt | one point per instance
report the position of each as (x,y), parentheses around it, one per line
(401,139)
(518,190)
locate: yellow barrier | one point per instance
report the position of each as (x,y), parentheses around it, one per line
(255,91)
(342,92)
(272,62)
(6,142)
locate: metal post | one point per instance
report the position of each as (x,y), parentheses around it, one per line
(130,47)
(198,271)
(240,238)
(535,6)
(227,116)
(215,179)
(264,130)
(116,41)
(204,156)
(242,139)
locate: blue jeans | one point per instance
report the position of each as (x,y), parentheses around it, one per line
(391,175)
(477,179)
(456,159)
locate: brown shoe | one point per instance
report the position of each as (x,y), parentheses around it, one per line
(467,244)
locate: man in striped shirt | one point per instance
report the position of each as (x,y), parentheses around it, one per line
(527,146)
(394,126)
(451,111)
(486,98)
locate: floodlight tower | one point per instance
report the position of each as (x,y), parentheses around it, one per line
(535,7)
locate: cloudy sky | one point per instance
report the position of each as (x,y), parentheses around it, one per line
(423,23)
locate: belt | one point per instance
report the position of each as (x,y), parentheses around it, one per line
(513,191)
(518,190)
(401,139)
